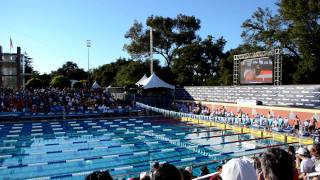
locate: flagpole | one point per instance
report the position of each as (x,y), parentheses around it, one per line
(151,51)
(10,44)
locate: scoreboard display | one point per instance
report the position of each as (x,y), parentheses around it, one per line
(256,71)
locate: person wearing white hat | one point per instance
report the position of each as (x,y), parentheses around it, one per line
(189,169)
(304,162)
(145,176)
(238,169)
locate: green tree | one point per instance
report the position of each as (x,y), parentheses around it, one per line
(130,73)
(169,34)
(70,70)
(28,68)
(60,81)
(226,70)
(296,29)
(303,19)
(197,63)
(34,83)
(45,79)
(78,85)
(105,74)
(268,31)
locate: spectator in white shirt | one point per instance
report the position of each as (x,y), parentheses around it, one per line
(306,125)
(304,162)
(315,156)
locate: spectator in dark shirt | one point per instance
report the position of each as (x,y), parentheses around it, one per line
(166,172)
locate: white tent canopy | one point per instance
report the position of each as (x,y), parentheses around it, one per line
(140,82)
(95,85)
(155,82)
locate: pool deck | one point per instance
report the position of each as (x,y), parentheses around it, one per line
(282,137)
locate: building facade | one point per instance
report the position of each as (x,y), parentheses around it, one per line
(12,69)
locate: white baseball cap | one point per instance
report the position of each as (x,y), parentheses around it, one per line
(143,174)
(301,151)
(189,169)
(238,169)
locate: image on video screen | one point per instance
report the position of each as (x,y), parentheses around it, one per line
(256,71)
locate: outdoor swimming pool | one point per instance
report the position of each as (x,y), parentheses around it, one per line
(71,149)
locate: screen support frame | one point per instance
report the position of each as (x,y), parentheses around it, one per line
(275,54)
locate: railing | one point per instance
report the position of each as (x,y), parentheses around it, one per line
(174,114)
(220,119)
(206,176)
(311,175)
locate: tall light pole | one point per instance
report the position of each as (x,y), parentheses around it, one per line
(151,51)
(88,46)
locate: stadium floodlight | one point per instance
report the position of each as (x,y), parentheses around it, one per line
(88,46)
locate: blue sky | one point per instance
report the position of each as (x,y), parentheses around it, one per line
(55,31)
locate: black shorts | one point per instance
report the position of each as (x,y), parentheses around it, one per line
(312,127)
(296,127)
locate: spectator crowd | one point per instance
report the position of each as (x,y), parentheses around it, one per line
(274,164)
(51,100)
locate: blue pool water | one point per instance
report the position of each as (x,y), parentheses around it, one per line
(71,149)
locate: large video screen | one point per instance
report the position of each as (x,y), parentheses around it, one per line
(256,71)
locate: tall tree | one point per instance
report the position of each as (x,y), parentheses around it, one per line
(28,68)
(303,19)
(34,83)
(45,78)
(296,29)
(60,81)
(70,70)
(169,34)
(130,74)
(105,74)
(269,31)
(197,63)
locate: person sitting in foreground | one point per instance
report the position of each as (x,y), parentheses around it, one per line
(167,172)
(292,153)
(257,165)
(217,176)
(276,164)
(204,171)
(155,168)
(189,169)
(238,169)
(186,174)
(99,175)
(315,156)
(304,162)
(145,176)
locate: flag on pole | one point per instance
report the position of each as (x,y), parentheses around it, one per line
(11,45)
